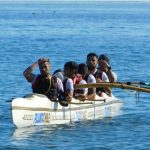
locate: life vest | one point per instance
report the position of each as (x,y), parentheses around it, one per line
(95,74)
(62,95)
(100,90)
(86,78)
(64,84)
(44,86)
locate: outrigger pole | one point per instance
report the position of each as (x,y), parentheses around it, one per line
(139,83)
(113,85)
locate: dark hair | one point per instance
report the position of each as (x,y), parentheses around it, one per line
(83,69)
(92,54)
(104,57)
(41,61)
(72,65)
(58,70)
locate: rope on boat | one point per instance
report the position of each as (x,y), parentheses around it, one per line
(80,103)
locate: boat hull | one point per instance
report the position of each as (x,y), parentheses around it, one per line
(36,109)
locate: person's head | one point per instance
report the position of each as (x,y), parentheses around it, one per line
(44,66)
(59,74)
(103,62)
(83,69)
(104,57)
(70,69)
(92,61)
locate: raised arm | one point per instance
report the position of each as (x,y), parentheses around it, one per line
(28,72)
(110,75)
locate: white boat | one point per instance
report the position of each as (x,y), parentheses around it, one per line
(37,109)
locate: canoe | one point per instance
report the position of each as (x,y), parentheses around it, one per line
(36,109)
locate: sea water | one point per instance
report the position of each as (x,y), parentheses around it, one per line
(64,31)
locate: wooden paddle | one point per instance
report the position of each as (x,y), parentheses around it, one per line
(146,85)
(114,85)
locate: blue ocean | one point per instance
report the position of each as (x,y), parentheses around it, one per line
(64,31)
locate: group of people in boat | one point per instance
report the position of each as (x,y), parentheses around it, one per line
(60,85)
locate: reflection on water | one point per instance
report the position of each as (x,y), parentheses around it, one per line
(24,133)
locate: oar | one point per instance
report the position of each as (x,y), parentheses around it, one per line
(115,85)
(140,83)
(133,83)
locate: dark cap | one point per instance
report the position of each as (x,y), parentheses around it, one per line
(104,57)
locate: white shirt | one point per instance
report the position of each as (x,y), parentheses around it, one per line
(59,75)
(85,90)
(58,85)
(105,77)
(115,76)
(91,79)
(69,85)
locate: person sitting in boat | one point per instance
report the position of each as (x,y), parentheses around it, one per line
(103,61)
(70,71)
(92,63)
(59,74)
(102,77)
(44,83)
(84,77)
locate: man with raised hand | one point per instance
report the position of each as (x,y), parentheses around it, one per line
(43,83)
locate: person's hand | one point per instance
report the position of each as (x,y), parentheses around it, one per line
(81,97)
(98,80)
(69,98)
(42,60)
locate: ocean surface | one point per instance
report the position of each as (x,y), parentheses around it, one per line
(64,31)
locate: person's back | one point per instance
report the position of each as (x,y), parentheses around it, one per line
(82,92)
(70,71)
(59,74)
(87,78)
